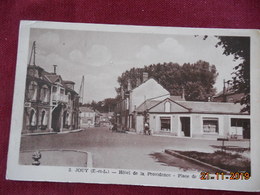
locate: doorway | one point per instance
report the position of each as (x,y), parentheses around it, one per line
(243,125)
(185,125)
(56,118)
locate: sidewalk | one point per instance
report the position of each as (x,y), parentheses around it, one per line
(52,132)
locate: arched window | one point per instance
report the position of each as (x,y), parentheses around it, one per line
(33,90)
(32,118)
(167,107)
(44,118)
(44,93)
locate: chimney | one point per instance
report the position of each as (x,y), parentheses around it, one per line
(145,76)
(54,68)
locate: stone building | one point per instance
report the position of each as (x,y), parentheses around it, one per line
(50,103)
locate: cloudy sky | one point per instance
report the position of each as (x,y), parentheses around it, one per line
(103,56)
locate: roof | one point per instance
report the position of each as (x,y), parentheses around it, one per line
(228,91)
(193,107)
(34,66)
(52,77)
(176,98)
(211,107)
(146,105)
(69,82)
(149,79)
(85,109)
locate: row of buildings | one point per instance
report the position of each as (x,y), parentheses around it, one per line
(172,115)
(50,104)
(91,118)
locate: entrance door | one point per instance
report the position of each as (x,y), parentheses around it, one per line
(241,124)
(56,119)
(185,125)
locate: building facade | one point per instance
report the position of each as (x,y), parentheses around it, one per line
(50,103)
(125,113)
(194,119)
(87,117)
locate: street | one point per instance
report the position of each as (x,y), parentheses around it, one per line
(124,151)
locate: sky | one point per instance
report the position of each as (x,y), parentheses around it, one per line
(103,56)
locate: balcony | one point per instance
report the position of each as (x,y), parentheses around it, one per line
(60,97)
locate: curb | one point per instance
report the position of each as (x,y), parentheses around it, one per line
(72,131)
(50,133)
(195,161)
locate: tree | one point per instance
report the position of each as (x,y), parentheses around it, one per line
(196,79)
(239,47)
(106,105)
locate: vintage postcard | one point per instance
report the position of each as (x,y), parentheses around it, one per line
(138,105)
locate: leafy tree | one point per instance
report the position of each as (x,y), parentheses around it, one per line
(196,79)
(106,105)
(239,47)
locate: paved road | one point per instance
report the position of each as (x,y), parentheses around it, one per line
(123,151)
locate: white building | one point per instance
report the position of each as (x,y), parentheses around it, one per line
(87,117)
(194,119)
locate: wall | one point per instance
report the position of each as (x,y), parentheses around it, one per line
(139,124)
(147,90)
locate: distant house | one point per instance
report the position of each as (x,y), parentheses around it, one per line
(87,117)
(150,89)
(227,95)
(193,119)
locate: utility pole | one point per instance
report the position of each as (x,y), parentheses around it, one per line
(33,53)
(81,91)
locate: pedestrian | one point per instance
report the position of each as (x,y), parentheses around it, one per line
(146,128)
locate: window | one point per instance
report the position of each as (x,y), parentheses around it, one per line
(44,94)
(32,118)
(165,123)
(54,89)
(62,91)
(167,107)
(210,125)
(44,119)
(33,90)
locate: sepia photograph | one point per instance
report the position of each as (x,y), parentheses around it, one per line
(162,102)
(137,101)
